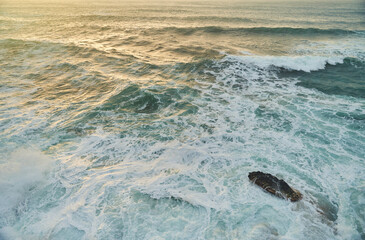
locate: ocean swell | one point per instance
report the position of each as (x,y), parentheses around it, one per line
(253,30)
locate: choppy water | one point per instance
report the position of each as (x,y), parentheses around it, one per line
(141,121)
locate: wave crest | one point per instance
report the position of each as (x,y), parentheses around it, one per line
(296,63)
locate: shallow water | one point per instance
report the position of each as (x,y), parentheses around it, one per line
(142,121)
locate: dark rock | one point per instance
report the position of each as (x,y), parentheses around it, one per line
(275,186)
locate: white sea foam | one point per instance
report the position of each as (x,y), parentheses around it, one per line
(297,63)
(196,185)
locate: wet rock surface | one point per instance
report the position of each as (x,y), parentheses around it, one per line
(275,186)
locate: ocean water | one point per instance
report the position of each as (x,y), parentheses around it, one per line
(142,119)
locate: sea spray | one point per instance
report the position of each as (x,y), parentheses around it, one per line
(21,173)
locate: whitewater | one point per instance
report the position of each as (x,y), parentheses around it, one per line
(135,120)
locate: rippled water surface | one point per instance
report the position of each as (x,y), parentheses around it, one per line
(135,120)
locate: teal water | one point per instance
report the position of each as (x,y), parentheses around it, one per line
(134,120)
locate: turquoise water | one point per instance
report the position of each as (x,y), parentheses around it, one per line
(127,120)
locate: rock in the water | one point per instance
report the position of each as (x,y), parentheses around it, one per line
(275,186)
